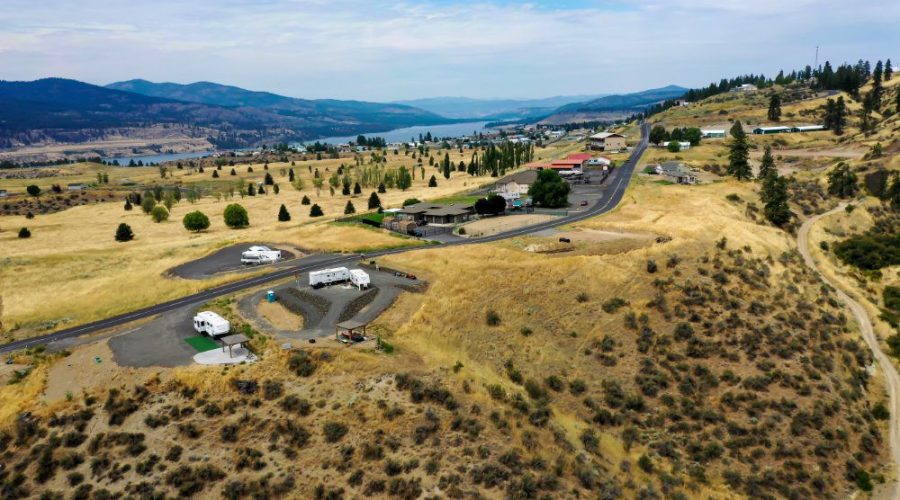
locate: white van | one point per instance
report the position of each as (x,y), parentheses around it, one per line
(260,255)
(210,323)
(359,278)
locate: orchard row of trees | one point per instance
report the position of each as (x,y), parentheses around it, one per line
(659,134)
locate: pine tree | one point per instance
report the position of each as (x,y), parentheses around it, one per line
(283,214)
(215,174)
(349,208)
(381,188)
(316,211)
(432,182)
(269,180)
(446,166)
(374,201)
(305,200)
(877,89)
(251,190)
(888,70)
(357,189)
(775,199)
(775,108)
(739,153)
(842,181)
(124,233)
(767,165)
(128,203)
(233,172)
(291,175)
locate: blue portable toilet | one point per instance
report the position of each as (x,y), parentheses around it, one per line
(270,296)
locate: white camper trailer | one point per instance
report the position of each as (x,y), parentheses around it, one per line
(325,277)
(210,323)
(260,255)
(359,278)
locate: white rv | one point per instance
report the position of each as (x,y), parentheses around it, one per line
(359,278)
(210,323)
(325,277)
(260,255)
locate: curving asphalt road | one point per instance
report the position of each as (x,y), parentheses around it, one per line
(608,201)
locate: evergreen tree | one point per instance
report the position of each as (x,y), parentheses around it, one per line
(24,233)
(775,199)
(739,153)
(316,211)
(775,107)
(233,172)
(291,175)
(283,214)
(357,189)
(269,180)
(276,189)
(349,208)
(128,203)
(251,190)
(147,204)
(835,115)
(374,201)
(215,174)
(767,165)
(124,233)
(404,179)
(381,188)
(446,166)
(877,89)
(842,181)
(305,200)
(888,70)
(432,182)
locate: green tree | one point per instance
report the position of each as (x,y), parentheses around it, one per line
(739,153)
(842,181)
(357,189)
(888,70)
(657,134)
(446,166)
(124,233)
(349,208)
(693,135)
(775,108)
(316,211)
(128,203)
(33,190)
(291,175)
(404,179)
(236,216)
(283,214)
(159,214)
(674,146)
(432,182)
(774,196)
(24,233)
(835,118)
(251,190)
(195,221)
(147,204)
(550,190)
(268,180)
(767,165)
(305,200)
(374,201)
(381,188)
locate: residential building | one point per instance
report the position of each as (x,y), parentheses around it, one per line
(676,172)
(771,130)
(436,214)
(747,87)
(712,133)
(607,141)
(516,185)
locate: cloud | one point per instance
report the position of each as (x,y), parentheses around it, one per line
(404,49)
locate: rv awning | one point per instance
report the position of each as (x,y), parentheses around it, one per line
(235,339)
(350,325)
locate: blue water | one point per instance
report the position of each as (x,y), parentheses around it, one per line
(123,160)
(407,133)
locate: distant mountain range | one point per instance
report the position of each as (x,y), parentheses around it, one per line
(494,109)
(612,107)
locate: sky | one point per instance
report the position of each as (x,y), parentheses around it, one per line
(392,50)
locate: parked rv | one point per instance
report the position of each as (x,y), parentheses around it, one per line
(359,278)
(325,277)
(256,255)
(210,323)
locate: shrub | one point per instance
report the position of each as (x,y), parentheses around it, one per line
(334,431)
(614,304)
(891,297)
(147,204)
(582,297)
(555,383)
(526,331)
(159,214)
(33,190)
(236,216)
(492,318)
(577,386)
(733,197)
(124,233)
(411,201)
(195,221)
(870,251)
(316,211)
(302,364)
(651,266)
(24,233)
(880,412)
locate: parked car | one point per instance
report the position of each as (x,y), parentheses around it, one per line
(584,203)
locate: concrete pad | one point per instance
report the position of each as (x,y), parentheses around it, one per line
(221,357)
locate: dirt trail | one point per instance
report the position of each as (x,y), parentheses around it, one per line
(892,379)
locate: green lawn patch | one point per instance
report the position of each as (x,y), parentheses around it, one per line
(202,344)
(467,199)
(376,217)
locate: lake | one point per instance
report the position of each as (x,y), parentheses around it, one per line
(407,133)
(159,158)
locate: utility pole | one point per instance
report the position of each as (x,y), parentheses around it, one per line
(817,58)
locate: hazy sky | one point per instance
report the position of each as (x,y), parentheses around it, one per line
(386,50)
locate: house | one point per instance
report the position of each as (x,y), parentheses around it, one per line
(712,133)
(607,141)
(77,186)
(683,145)
(808,128)
(771,130)
(676,172)
(515,185)
(747,87)
(437,214)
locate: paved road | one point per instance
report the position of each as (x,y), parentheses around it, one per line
(892,379)
(610,198)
